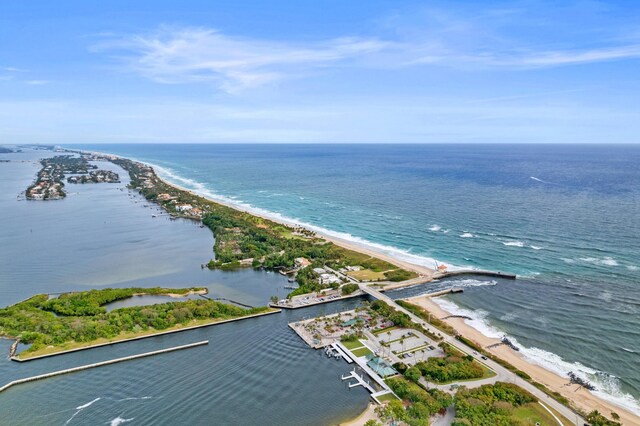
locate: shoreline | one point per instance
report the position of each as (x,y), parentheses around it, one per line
(579,397)
(426,274)
(146,336)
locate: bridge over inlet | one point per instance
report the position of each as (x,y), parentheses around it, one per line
(503,374)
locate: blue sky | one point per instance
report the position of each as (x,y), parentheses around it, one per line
(320,71)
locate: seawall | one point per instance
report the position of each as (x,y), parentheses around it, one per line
(100,364)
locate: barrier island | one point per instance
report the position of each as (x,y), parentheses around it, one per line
(79,320)
(243,239)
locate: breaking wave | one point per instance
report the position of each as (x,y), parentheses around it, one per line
(202,190)
(607,385)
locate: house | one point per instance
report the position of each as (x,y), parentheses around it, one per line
(319,271)
(184,207)
(329,279)
(302,262)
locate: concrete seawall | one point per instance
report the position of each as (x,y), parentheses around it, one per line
(476,272)
(100,364)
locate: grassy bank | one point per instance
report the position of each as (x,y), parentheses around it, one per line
(76,320)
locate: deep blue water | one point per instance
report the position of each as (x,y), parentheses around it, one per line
(566,218)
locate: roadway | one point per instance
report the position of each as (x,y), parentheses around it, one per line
(502,373)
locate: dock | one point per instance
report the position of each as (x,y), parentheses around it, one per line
(100,364)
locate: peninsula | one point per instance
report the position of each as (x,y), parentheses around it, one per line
(80,320)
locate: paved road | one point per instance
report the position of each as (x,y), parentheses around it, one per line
(503,373)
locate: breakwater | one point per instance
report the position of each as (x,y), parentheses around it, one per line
(494,274)
(100,364)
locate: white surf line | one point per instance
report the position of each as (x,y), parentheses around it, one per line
(551,412)
(100,364)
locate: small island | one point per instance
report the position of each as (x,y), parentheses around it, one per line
(80,320)
(49,184)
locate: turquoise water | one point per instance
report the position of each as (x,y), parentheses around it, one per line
(566,218)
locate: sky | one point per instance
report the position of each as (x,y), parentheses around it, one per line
(310,71)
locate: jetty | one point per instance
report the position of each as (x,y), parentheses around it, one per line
(100,364)
(485,273)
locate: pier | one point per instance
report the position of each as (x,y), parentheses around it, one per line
(100,364)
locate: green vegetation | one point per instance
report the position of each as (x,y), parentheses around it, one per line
(399,319)
(91,302)
(361,352)
(422,403)
(596,419)
(349,288)
(387,397)
(427,316)
(453,367)
(81,319)
(245,239)
(555,395)
(491,405)
(351,344)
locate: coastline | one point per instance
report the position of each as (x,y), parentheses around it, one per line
(425,273)
(585,400)
(579,397)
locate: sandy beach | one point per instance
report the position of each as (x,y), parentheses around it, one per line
(580,397)
(425,273)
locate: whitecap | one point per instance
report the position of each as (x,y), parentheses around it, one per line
(607,386)
(536,247)
(119,420)
(605,295)
(467,235)
(435,228)
(81,407)
(605,261)
(632,267)
(513,243)
(508,317)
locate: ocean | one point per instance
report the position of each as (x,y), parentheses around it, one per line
(565,218)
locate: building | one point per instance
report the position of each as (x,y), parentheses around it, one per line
(184,207)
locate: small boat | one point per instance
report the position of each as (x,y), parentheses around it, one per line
(153,215)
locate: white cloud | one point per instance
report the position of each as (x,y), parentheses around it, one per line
(37,82)
(232,63)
